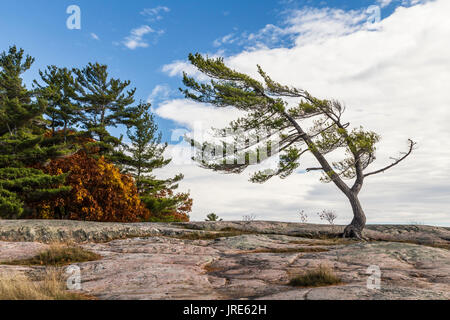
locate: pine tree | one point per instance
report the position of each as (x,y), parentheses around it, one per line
(145,151)
(103,104)
(59,91)
(273,124)
(22,140)
(17,107)
(213,217)
(145,154)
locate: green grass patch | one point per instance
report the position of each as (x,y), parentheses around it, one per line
(322,276)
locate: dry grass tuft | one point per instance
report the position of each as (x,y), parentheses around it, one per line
(51,286)
(58,255)
(322,276)
(210,269)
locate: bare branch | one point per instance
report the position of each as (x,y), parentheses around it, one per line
(412,144)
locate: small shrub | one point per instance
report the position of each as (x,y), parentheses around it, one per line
(58,255)
(327,215)
(99,192)
(166,206)
(416,223)
(303,216)
(322,276)
(249,217)
(213,217)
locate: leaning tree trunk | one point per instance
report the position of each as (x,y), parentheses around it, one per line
(356,227)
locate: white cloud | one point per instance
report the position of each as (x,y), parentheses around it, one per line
(160,92)
(306,25)
(94,36)
(228,39)
(155,13)
(393,80)
(385,3)
(189,114)
(136,37)
(177,68)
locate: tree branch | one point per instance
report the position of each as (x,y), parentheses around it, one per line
(412,144)
(313,169)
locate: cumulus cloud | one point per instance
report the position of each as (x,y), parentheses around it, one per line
(306,26)
(191,115)
(393,80)
(136,38)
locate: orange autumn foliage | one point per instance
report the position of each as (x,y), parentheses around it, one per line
(99,192)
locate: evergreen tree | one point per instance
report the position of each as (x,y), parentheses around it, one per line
(16,105)
(272,120)
(22,140)
(103,104)
(59,90)
(213,217)
(145,151)
(145,154)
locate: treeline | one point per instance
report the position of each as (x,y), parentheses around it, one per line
(58,159)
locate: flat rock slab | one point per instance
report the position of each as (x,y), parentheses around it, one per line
(151,261)
(14,251)
(358,292)
(414,233)
(82,231)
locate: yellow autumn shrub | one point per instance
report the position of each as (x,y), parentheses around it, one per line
(99,192)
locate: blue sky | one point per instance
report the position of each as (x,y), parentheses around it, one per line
(180,27)
(393,77)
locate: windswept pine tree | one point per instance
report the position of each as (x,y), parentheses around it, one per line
(273,120)
(143,155)
(22,140)
(104,103)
